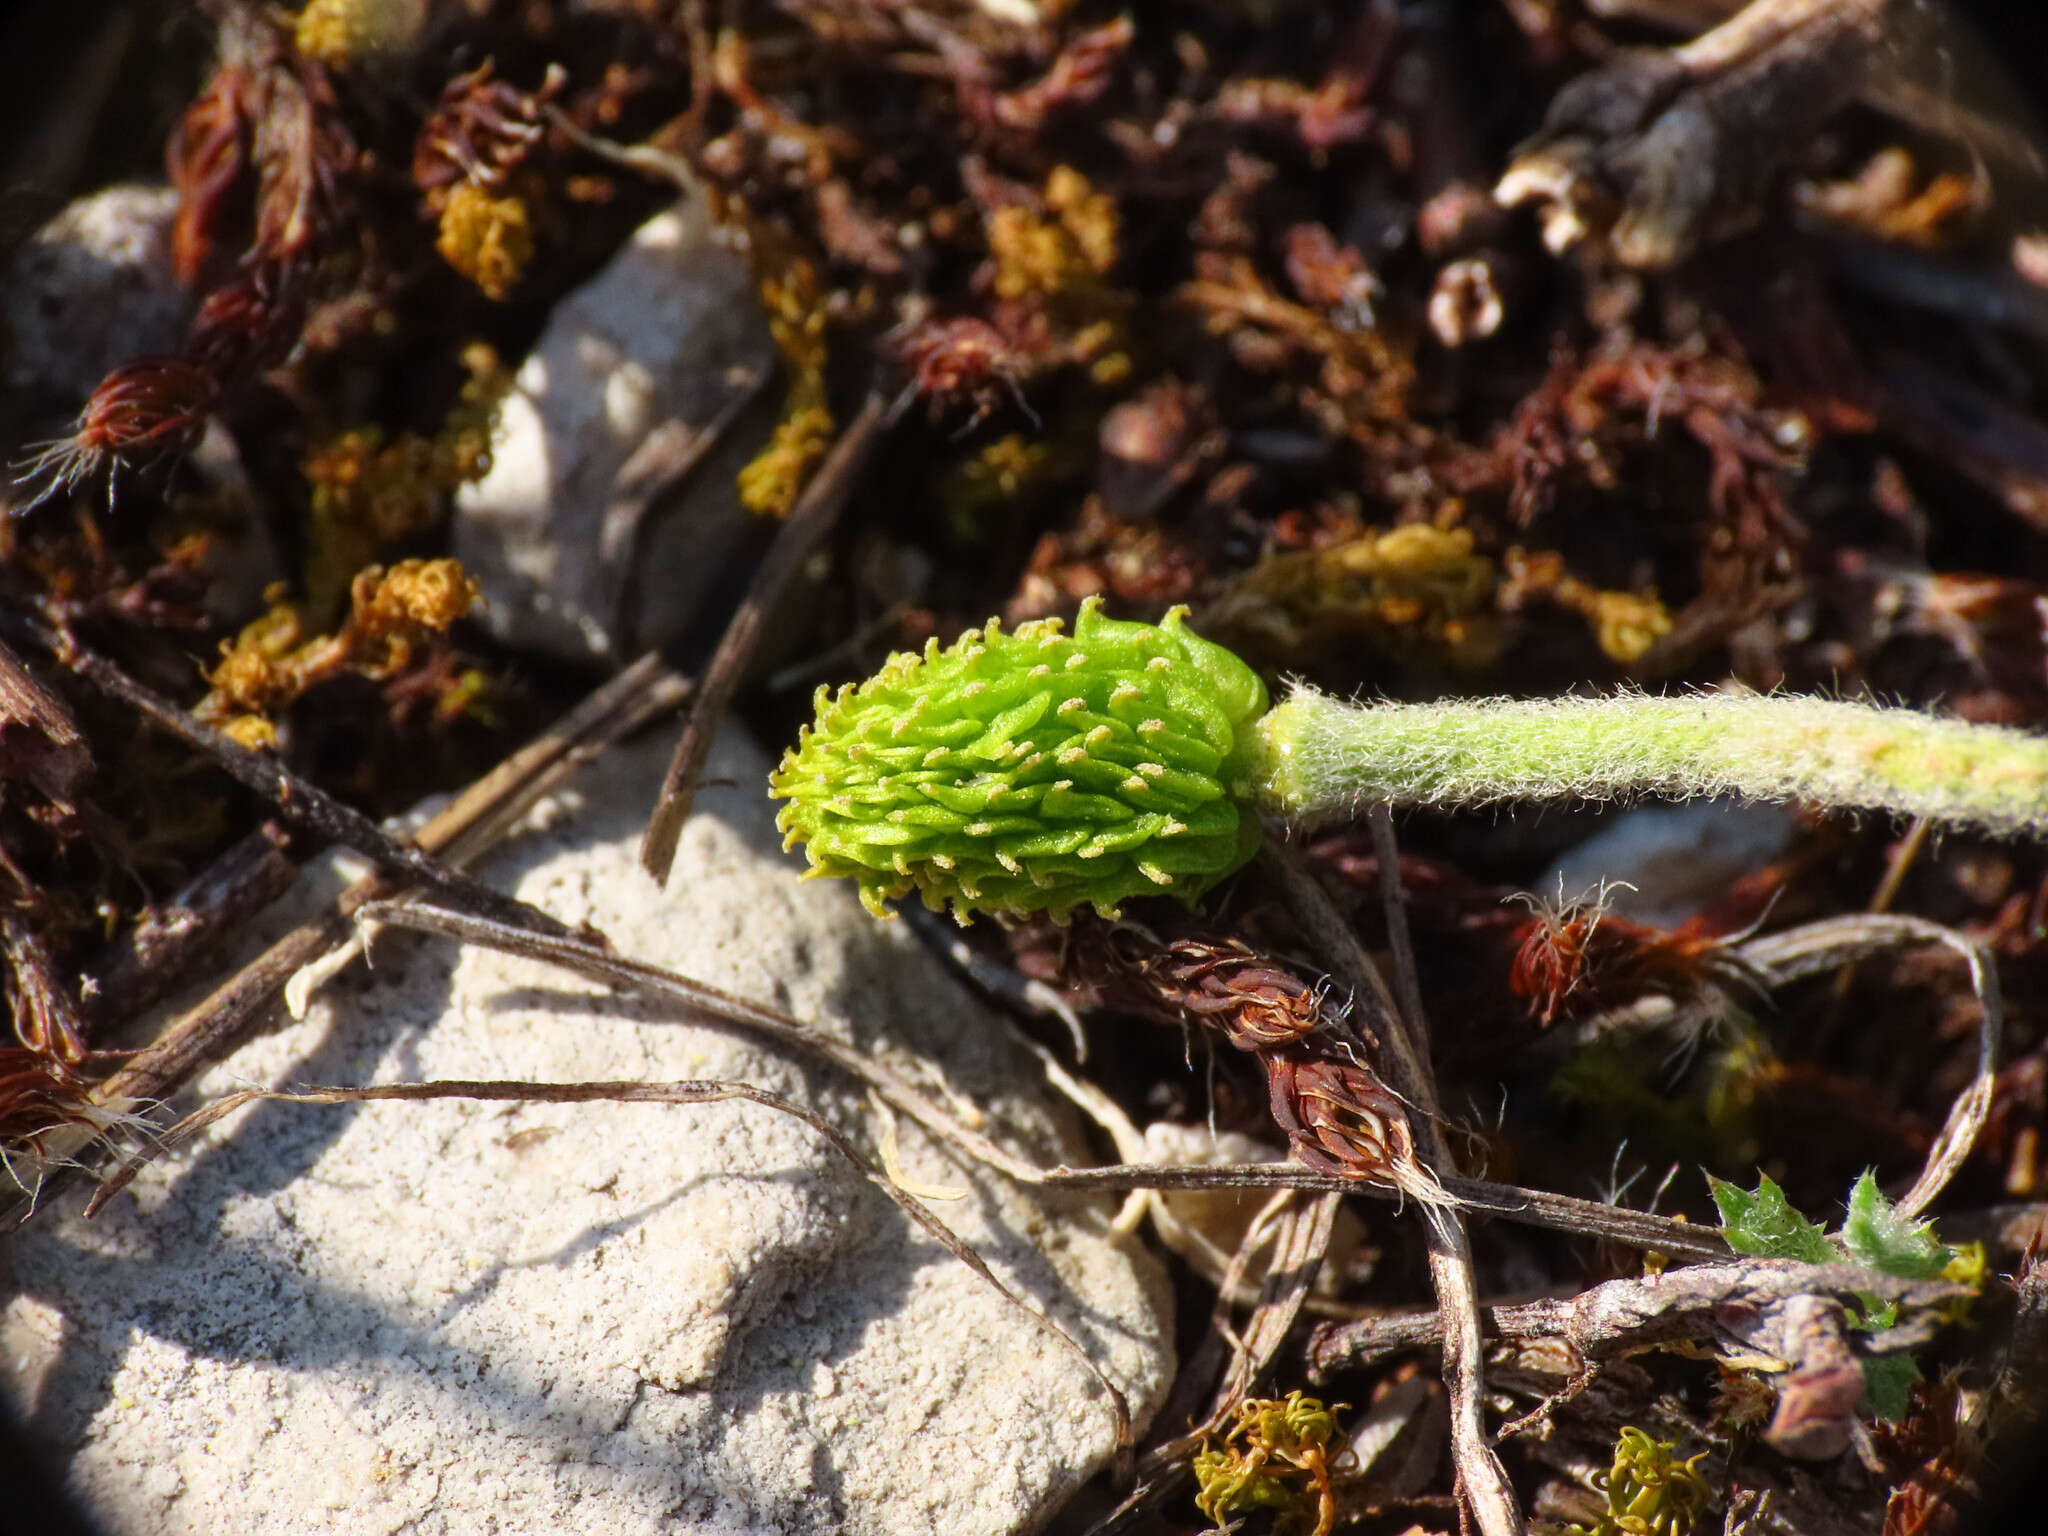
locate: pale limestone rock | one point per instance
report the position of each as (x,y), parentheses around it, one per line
(91,289)
(664,337)
(456,1317)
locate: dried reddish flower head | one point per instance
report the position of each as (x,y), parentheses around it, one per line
(153,410)
(480,131)
(1226,983)
(1336,1113)
(205,158)
(143,412)
(963,361)
(249,324)
(1340,1118)
(1579,958)
(267,110)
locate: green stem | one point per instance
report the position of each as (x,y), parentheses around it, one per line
(1038,771)
(1321,759)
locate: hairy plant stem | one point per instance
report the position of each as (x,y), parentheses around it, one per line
(1322,759)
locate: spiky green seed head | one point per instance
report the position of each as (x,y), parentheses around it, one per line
(1034,771)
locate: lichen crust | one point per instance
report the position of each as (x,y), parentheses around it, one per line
(1033,771)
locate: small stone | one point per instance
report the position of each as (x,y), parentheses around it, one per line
(459,1317)
(574,559)
(90,290)
(1664,863)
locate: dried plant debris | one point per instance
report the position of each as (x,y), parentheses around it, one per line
(1657,150)
(1647,353)
(1323,1090)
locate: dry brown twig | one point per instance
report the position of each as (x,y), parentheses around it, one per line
(1659,149)
(1224,1356)
(1819,947)
(809,521)
(1911,102)
(710,1092)
(697,1001)
(1302,1241)
(39,739)
(1482,1481)
(1621,1317)
(1778,1314)
(478,818)
(1225,1271)
(1607,1322)
(1301,1235)
(1298,1232)
(295,799)
(172,937)
(665,461)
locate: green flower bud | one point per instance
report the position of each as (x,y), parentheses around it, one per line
(1032,772)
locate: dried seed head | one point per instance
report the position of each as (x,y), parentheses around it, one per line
(1574,959)
(1033,771)
(1340,1118)
(480,131)
(144,412)
(1258,1005)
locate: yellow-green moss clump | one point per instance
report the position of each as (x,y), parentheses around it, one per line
(1650,1492)
(486,236)
(272,662)
(1276,1456)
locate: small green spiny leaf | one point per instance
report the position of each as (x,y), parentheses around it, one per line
(1876,1235)
(1033,771)
(1762,1222)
